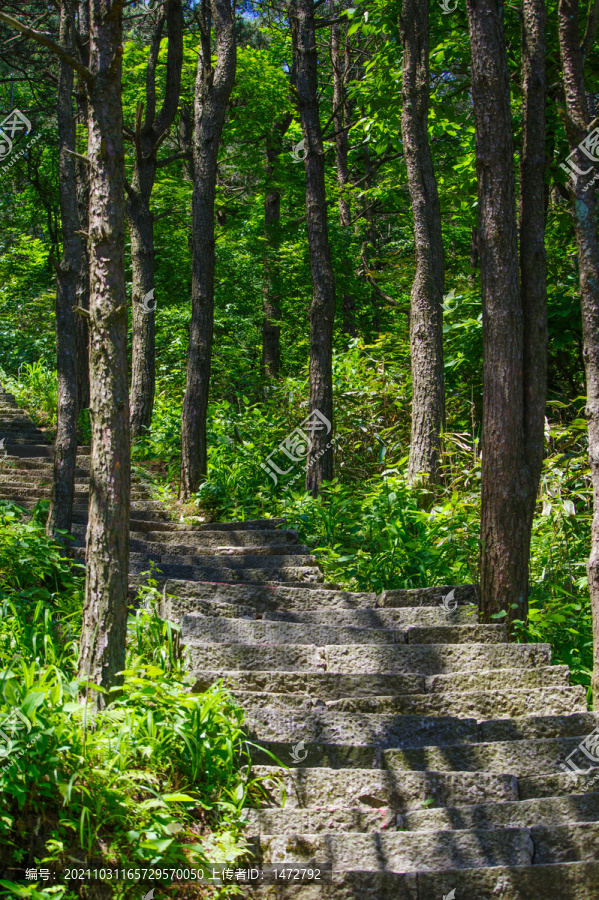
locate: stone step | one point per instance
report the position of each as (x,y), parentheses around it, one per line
(17,440)
(15,418)
(412,851)
(378,618)
(363,818)
(272,598)
(267,561)
(380,789)
(43,467)
(334,686)
(22,477)
(495,747)
(374,659)
(11,490)
(314,820)
(17,435)
(249,524)
(228,539)
(468,704)
(432,596)
(210,547)
(388,730)
(197,628)
(560,881)
(225,573)
(265,631)
(37,450)
(526,757)
(521,813)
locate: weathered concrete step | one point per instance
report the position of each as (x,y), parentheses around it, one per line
(380,789)
(495,748)
(423,659)
(17,476)
(377,618)
(561,785)
(16,418)
(314,820)
(42,466)
(145,509)
(197,628)
(158,515)
(402,852)
(12,490)
(521,757)
(268,562)
(229,539)
(38,450)
(544,811)
(228,574)
(274,632)
(565,881)
(431,596)
(386,730)
(209,547)
(334,686)
(17,440)
(22,478)
(490,679)
(263,597)
(469,704)
(357,729)
(413,851)
(17,434)
(248,524)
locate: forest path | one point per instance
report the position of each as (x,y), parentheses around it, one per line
(421,752)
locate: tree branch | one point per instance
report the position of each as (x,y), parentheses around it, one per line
(45,41)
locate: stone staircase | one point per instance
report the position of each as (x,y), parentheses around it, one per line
(420,752)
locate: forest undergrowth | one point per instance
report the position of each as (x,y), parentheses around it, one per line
(158,778)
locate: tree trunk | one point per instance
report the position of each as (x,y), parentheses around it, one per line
(148,138)
(322,309)
(271,307)
(510,404)
(82,175)
(426,307)
(65,446)
(212,92)
(584,195)
(102,648)
(533,256)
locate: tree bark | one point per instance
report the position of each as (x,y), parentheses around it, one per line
(584,196)
(322,309)
(82,175)
(426,307)
(102,648)
(148,138)
(212,92)
(514,368)
(533,256)
(65,446)
(271,306)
